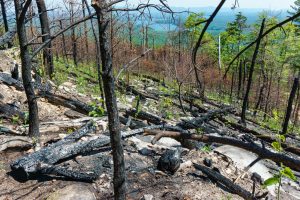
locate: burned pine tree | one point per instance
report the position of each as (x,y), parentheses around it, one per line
(110,99)
(290,105)
(47,52)
(247,92)
(26,67)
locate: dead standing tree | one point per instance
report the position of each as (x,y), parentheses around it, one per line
(101,8)
(199,43)
(44,21)
(26,67)
(246,97)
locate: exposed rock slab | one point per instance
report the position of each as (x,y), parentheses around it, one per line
(73,192)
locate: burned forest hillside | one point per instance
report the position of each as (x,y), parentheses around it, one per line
(95,103)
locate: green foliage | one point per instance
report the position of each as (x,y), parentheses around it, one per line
(165,105)
(35,140)
(165,90)
(98,110)
(26,118)
(40,71)
(271,181)
(70,130)
(166,102)
(277,144)
(136,104)
(232,39)
(60,78)
(199,131)
(15,119)
(276,179)
(283,172)
(206,148)
(194,27)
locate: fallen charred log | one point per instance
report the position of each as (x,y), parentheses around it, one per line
(154,119)
(244,129)
(66,102)
(198,121)
(8,80)
(217,177)
(8,37)
(128,88)
(260,150)
(46,159)
(10,111)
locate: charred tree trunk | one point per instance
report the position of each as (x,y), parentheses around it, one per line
(246,98)
(85,32)
(4,16)
(98,57)
(73,36)
(297,109)
(261,92)
(110,100)
(47,52)
(267,102)
(26,69)
(290,105)
(64,47)
(232,86)
(240,79)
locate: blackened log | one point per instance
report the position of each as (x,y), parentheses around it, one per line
(169,162)
(10,111)
(88,176)
(244,129)
(217,177)
(63,150)
(134,124)
(8,80)
(147,77)
(51,154)
(122,85)
(8,37)
(145,116)
(67,102)
(15,71)
(260,150)
(198,121)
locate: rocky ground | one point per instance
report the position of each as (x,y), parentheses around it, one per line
(144,181)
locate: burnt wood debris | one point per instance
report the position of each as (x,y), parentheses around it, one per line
(48,160)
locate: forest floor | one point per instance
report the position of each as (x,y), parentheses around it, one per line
(141,156)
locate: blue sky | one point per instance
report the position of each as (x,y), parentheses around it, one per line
(268,4)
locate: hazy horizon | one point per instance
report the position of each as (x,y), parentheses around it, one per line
(243,4)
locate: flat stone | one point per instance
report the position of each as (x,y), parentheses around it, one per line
(73,192)
(243,158)
(148,197)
